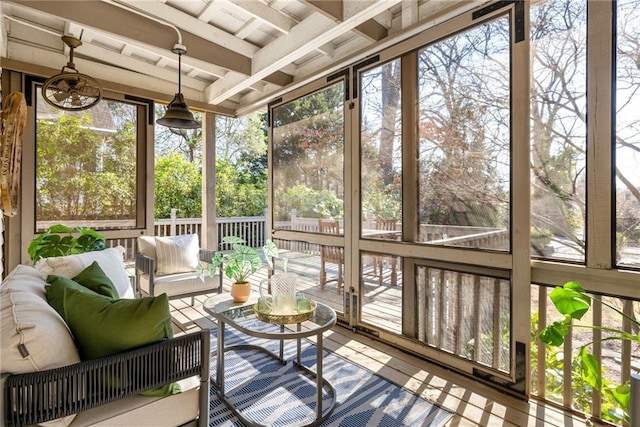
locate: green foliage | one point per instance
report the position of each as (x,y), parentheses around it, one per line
(308,155)
(241,187)
(84,173)
(178,184)
(241,137)
(243,260)
(309,203)
(572,301)
(383,201)
(59,240)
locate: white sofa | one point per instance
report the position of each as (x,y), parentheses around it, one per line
(44,382)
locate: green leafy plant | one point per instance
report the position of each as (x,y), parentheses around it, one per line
(242,261)
(573,302)
(59,240)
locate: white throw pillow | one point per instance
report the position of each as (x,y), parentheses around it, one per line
(177,254)
(110,260)
(147,246)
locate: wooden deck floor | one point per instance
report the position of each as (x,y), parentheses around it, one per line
(473,403)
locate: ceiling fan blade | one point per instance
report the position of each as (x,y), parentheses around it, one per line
(61,96)
(62,85)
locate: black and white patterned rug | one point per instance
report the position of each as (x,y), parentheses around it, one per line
(273,394)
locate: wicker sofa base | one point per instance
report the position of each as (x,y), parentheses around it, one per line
(88,389)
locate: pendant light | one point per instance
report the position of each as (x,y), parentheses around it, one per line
(178,114)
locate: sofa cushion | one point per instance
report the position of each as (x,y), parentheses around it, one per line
(177,254)
(175,410)
(103,326)
(180,284)
(34,337)
(24,278)
(110,261)
(31,328)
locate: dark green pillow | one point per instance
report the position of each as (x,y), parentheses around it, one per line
(94,278)
(55,291)
(103,326)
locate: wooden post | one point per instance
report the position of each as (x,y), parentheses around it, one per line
(172,227)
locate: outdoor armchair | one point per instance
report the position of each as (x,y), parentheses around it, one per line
(172,265)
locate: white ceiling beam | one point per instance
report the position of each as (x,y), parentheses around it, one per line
(248,28)
(193,25)
(139,66)
(327,49)
(265,14)
(410,13)
(48,58)
(313,32)
(385,19)
(207,12)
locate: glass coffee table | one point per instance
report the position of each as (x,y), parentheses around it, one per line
(241,317)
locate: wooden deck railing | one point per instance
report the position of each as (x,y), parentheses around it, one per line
(465,314)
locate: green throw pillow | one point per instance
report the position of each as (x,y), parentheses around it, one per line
(94,278)
(55,291)
(102,326)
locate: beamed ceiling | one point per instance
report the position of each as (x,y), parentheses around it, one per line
(240,53)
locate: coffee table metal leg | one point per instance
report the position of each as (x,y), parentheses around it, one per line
(319,376)
(220,358)
(282,346)
(298,351)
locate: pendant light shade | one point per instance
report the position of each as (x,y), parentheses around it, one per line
(178,114)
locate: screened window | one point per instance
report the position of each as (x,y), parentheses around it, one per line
(464,131)
(558,129)
(308,161)
(627,148)
(86,166)
(381,151)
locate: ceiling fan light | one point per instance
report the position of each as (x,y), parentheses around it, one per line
(178,115)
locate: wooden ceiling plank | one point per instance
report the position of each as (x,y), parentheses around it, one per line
(147,89)
(107,57)
(114,20)
(207,12)
(410,13)
(372,30)
(266,14)
(248,28)
(329,8)
(186,22)
(313,32)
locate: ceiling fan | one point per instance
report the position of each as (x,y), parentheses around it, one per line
(70,90)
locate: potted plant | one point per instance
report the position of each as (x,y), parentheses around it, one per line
(240,263)
(59,240)
(573,302)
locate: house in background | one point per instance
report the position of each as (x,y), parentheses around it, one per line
(500,137)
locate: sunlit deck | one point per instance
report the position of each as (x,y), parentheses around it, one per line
(473,403)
